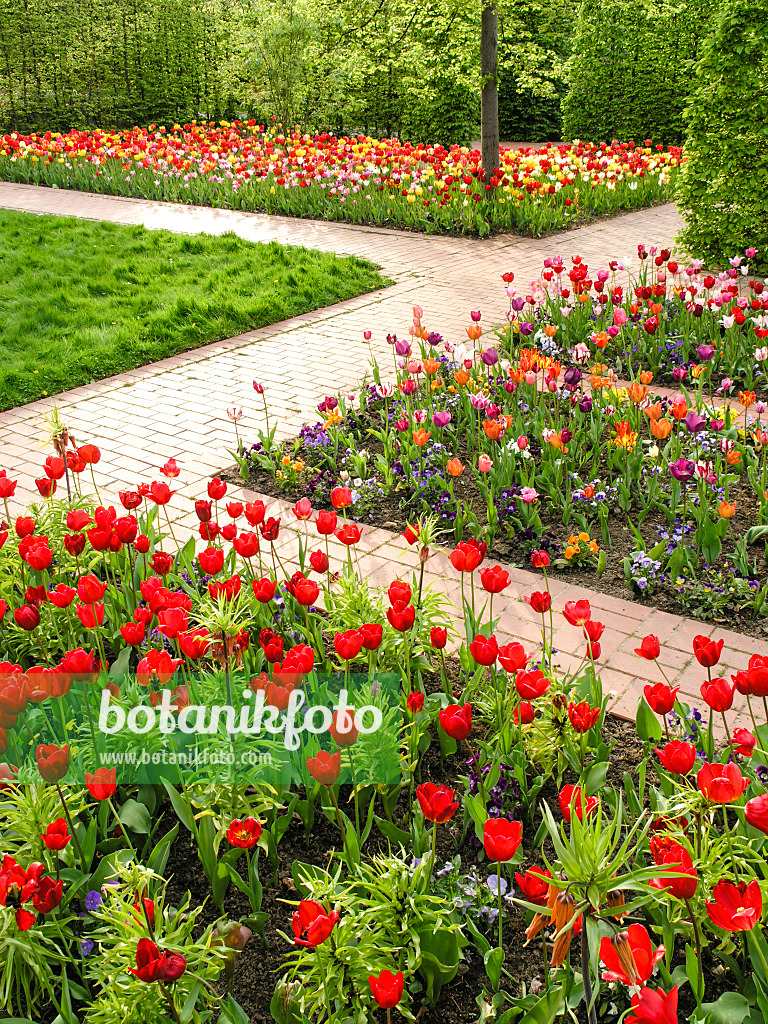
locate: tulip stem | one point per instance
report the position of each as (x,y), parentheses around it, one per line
(727,732)
(72,830)
(586,980)
(697,939)
(125,834)
(498,891)
(546,958)
(169,999)
(729,838)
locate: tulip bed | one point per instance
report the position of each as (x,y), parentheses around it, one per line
(359,180)
(545,438)
(521,867)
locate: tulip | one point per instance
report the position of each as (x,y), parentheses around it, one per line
(654,1006)
(387,989)
(534,885)
(456,721)
(756,812)
(343,729)
(661,697)
(571,799)
(325,767)
(649,648)
(415,702)
(438,803)
(721,783)
(630,956)
(401,616)
(682,879)
(577,612)
(372,634)
(737,906)
(102,783)
(211,561)
(583,717)
(52,762)
(56,835)
(244,833)
(494,579)
(717,694)
(513,657)
(501,839)
(484,650)
(540,601)
(532,684)
(678,757)
(312,924)
(438,637)
(707,651)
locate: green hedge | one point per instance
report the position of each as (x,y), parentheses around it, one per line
(79,63)
(723,192)
(631,68)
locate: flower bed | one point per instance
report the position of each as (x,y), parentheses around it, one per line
(359,180)
(525,438)
(452,835)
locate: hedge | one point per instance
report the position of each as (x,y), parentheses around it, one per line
(723,192)
(631,68)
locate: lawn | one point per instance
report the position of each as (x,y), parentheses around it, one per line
(80,301)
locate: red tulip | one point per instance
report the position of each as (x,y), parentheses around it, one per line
(654,1006)
(325,768)
(343,731)
(312,924)
(756,812)
(160,492)
(484,649)
(650,648)
(272,645)
(583,717)
(90,615)
(411,533)
(524,712)
(348,644)
(721,783)
(577,612)
(540,601)
(534,885)
(399,592)
(415,702)
(744,742)
(401,616)
(532,684)
(246,544)
(326,522)
(217,488)
(707,651)
(319,561)
(372,634)
(244,833)
(349,534)
(387,989)
(465,557)
(678,757)
(661,697)
(630,956)
(682,879)
(513,657)
(150,962)
(501,839)
(56,836)
(494,579)
(571,799)
(52,762)
(717,694)
(438,803)
(302,509)
(737,906)
(539,559)
(211,561)
(102,783)
(26,617)
(306,592)
(341,497)
(47,895)
(456,721)
(264,589)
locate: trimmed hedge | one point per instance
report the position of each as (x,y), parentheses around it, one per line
(631,68)
(82,63)
(723,191)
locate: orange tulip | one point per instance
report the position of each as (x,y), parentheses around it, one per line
(637,392)
(733,458)
(656,308)
(474,331)
(517,376)
(461,377)
(661,429)
(601,339)
(550,330)
(646,377)
(653,412)
(420,437)
(680,410)
(727,509)
(697,371)
(492,429)
(760,436)
(454,467)
(431,366)
(747,398)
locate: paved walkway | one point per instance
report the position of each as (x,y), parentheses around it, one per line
(178,407)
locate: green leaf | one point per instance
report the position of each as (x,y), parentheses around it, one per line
(546,1009)
(159,857)
(494,961)
(391,832)
(121,664)
(646,722)
(181,807)
(135,816)
(730,1008)
(595,779)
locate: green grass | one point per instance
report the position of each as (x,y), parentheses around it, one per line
(83,300)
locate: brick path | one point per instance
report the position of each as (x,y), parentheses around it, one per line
(178,407)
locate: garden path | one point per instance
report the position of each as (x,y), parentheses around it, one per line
(177,407)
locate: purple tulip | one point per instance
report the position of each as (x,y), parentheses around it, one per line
(705,352)
(585,405)
(694,422)
(526,329)
(517,304)
(682,470)
(680,373)
(572,376)
(434,339)
(613,331)
(565,436)
(475,314)
(716,425)
(441,418)
(490,356)
(403,348)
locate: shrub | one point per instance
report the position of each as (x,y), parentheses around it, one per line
(723,192)
(631,68)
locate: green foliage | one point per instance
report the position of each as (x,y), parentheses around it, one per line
(73,63)
(723,192)
(80,301)
(631,69)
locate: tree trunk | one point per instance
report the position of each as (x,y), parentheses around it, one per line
(489,108)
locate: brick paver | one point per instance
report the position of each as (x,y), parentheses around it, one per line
(178,407)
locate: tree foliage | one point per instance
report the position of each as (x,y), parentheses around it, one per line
(723,191)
